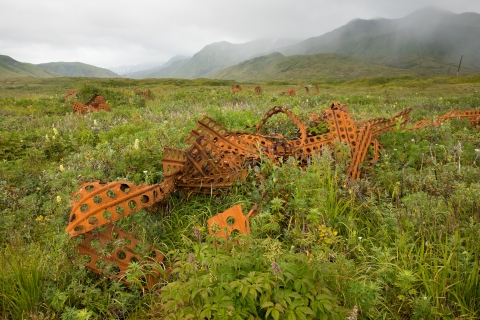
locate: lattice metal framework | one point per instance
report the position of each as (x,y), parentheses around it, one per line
(216,159)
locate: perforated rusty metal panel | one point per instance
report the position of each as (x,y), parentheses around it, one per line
(79,108)
(97,204)
(380,125)
(173,161)
(472,115)
(358,157)
(115,247)
(95,104)
(342,127)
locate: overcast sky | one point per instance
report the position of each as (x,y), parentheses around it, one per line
(110,33)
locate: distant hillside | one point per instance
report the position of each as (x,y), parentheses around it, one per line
(77,69)
(217,56)
(123,70)
(434,37)
(307,67)
(156,71)
(11,68)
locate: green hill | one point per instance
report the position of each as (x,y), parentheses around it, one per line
(432,37)
(77,69)
(162,71)
(276,66)
(11,68)
(214,58)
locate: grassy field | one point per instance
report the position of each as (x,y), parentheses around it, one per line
(401,243)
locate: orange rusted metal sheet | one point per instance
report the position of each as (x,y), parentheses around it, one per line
(232,220)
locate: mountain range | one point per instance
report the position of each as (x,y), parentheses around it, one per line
(435,37)
(427,42)
(77,69)
(11,68)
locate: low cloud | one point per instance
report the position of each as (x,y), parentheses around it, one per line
(110,33)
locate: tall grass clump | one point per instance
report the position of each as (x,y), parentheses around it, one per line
(21,281)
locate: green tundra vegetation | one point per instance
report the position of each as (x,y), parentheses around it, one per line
(400,243)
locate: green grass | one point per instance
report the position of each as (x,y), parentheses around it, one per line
(398,244)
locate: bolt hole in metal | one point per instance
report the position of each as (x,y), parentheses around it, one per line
(107,215)
(230,221)
(121,255)
(124,187)
(119,210)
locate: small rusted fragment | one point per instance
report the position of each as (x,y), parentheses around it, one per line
(70,94)
(223,224)
(236,88)
(258,89)
(147,94)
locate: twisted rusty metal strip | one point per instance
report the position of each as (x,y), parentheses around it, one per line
(342,127)
(97,204)
(364,141)
(473,115)
(298,122)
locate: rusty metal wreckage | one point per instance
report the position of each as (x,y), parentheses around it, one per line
(216,159)
(95,104)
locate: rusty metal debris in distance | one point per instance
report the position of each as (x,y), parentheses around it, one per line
(147,94)
(236,88)
(95,104)
(69,94)
(258,89)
